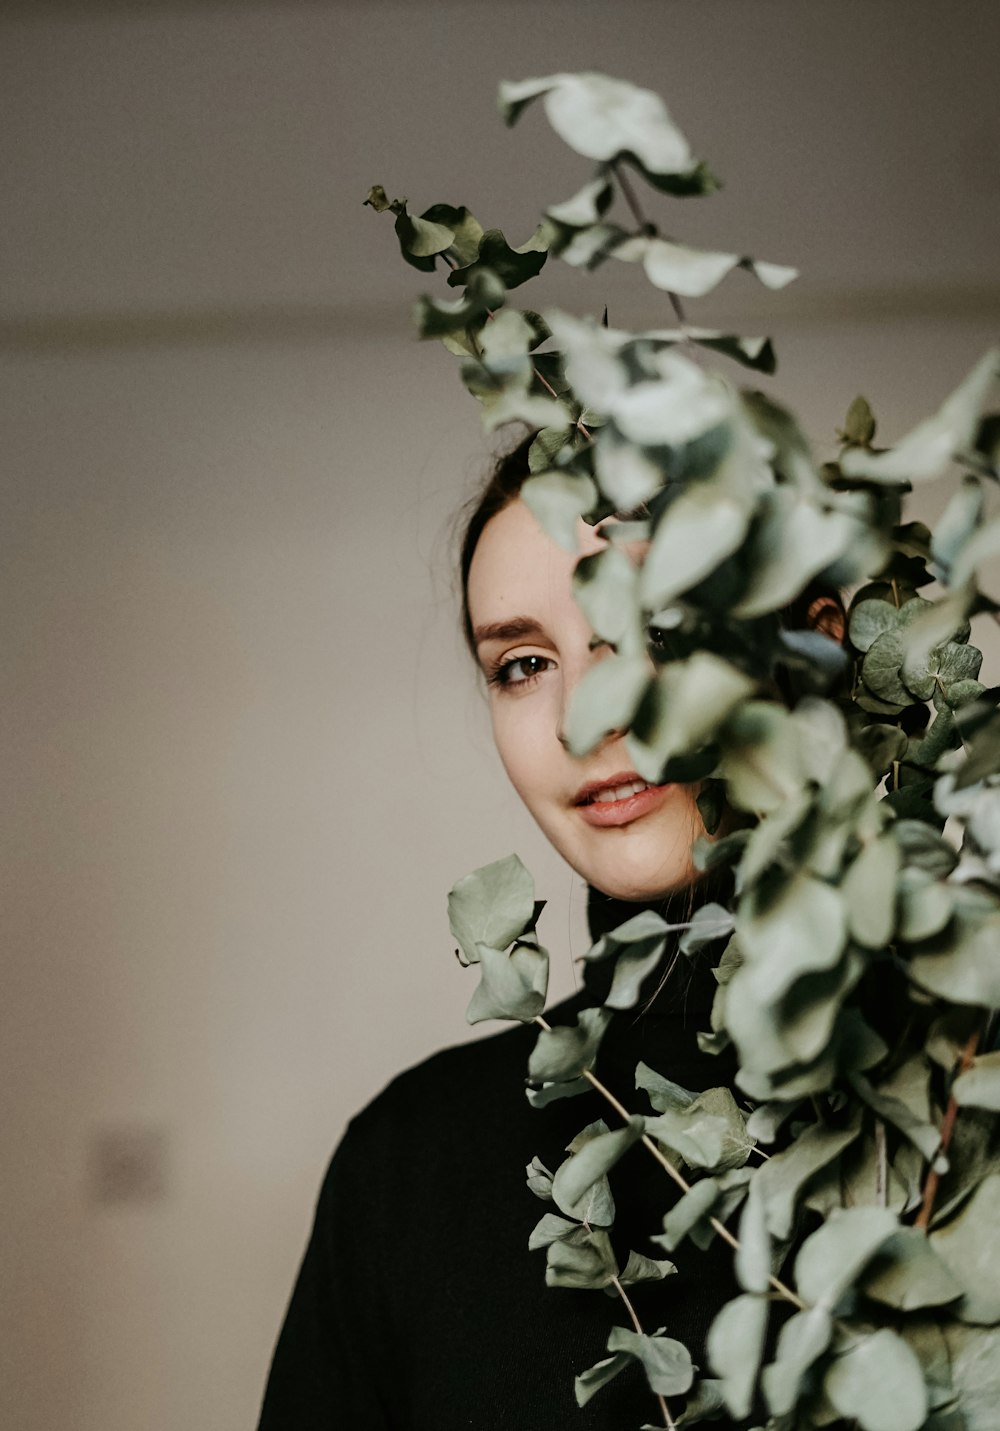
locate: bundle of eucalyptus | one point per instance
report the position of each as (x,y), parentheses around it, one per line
(860,966)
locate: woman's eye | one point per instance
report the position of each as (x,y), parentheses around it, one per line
(520,671)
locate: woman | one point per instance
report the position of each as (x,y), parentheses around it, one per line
(417,1304)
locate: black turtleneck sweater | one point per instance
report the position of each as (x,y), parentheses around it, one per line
(418,1306)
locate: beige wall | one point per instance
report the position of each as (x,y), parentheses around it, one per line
(243,756)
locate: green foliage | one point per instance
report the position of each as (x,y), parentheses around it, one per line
(859,972)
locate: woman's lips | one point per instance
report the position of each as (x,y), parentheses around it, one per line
(617,801)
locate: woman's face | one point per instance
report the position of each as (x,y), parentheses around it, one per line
(627,838)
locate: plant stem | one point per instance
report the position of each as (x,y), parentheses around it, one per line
(719,1227)
(947,1128)
(668,1420)
(581,427)
(881,1165)
(632,199)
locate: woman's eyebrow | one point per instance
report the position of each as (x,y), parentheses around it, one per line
(514,628)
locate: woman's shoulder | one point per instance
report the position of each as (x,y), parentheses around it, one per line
(459,1075)
(473,1091)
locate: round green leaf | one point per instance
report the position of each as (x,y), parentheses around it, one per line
(494,905)
(878,1381)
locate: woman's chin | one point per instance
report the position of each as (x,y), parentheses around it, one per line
(633,887)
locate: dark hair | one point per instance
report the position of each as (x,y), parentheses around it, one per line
(508,474)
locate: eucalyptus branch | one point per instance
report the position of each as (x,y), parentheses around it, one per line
(923,1217)
(632,199)
(673,1172)
(580,425)
(668,1420)
(649,229)
(881,1164)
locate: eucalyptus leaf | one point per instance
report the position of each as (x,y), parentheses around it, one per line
(641,928)
(576,1177)
(904,1105)
(438,317)
(752,1262)
(627,475)
(802,1341)
(761,762)
(563,1053)
(878,1381)
(586,207)
(957,522)
(603,118)
(981,547)
(881,670)
(680,405)
(547,1093)
(539,1179)
(869,620)
(511,986)
(925,906)
(514,404)
(708,1133)
(550,1228)
(705,1402)
(869,891)
(802,930)
(632,967)
(690,1209)
(859,425)
(709,923)
(644,1269)
(756,353)
(513,266)
(598,1375)
(558,500)
(605,588)
(924,847)
(735,1345)
(582,1260)
(792,541)
(691,273)
(605,700)
(908,1274)
(592,356)
(684,706)
(831,1258)
(700,530)
(549,442)
(969,1246)
(781,1180)
(974,1354)
(494,905)
(467,231)
(927,451)
(963,969)
(664,1094)
(666,1362)
(979,1085)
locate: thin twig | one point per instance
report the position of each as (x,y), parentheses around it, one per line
(649,230)
(581,426)
(947,1128)
(668,1420)
(632,199)
(881,1165)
